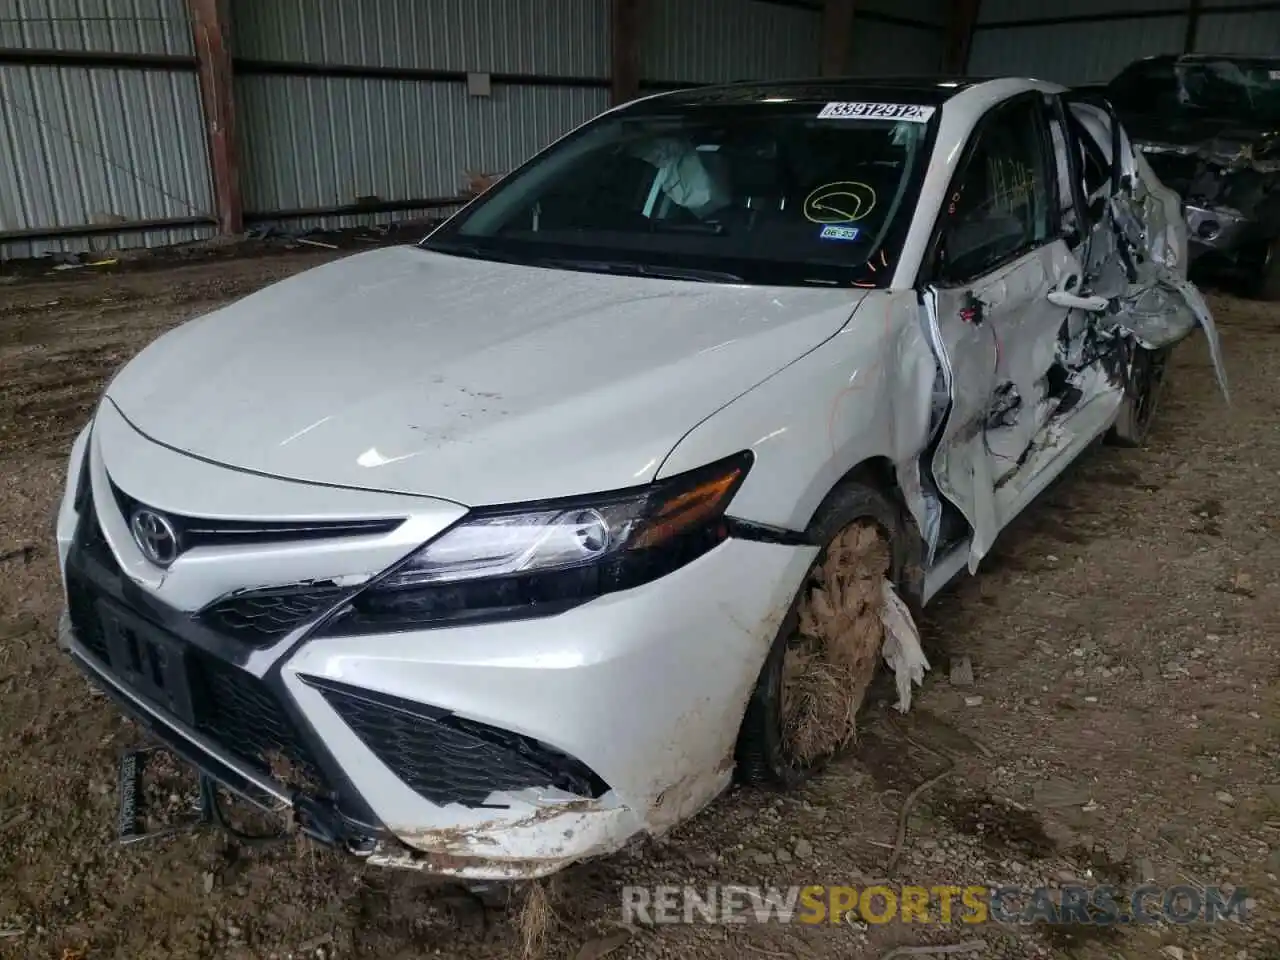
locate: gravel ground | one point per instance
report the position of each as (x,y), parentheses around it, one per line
(1121,723)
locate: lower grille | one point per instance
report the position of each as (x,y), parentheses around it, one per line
(231,707)
(235,709)
(261,617)
(446,759)
(87,626)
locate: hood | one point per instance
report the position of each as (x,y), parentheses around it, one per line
(415,372)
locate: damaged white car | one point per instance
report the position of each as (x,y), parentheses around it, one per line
(485,555)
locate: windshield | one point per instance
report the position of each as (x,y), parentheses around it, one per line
(1241,90)
(758,194)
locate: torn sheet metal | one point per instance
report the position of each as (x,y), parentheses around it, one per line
(902,649)
(1166,227)
(1157,306)
(1160,307)
(1166,309)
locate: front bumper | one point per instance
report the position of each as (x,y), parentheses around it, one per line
(421,749)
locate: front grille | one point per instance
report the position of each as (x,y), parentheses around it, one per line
(261,617)
(203,531)
(446,759)
(238,711)
(230,706)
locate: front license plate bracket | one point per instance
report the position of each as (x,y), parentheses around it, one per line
(148,661)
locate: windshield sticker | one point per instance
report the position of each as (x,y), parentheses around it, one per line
(833,232)
(908,112)
(1274,74)
(841,202)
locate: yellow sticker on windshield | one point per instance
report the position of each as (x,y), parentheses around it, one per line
(842,202)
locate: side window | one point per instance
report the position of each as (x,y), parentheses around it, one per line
(1147,86)
(1095,167)
(1000,204)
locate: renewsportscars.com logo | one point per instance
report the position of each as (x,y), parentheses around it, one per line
(1097,906)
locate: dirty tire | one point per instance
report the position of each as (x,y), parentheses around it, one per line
(1267,286)
(856,521)
(1148,373)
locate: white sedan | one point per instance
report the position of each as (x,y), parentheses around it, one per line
(485,555)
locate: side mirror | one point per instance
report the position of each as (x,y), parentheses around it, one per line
(1072,301)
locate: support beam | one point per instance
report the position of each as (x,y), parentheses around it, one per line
(624,30)
(1193,26)
(210,24)
(961,19)
(837,37)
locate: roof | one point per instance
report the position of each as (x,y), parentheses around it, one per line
(930,90)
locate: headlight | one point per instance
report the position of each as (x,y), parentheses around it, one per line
(542,558)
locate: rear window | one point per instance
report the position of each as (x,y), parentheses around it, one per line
(1244,90)
(758,193)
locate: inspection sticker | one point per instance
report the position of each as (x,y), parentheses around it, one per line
(1274,74)
(910,112)
(839,233)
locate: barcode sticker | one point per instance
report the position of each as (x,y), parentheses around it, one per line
(909,112)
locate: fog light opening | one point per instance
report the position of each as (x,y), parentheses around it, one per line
(1208,229)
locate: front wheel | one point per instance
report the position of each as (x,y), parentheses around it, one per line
(1148,371)
(828,648)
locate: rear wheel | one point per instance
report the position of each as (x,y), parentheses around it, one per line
(1148,371)
(828,648)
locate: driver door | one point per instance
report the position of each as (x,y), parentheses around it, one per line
(998,253)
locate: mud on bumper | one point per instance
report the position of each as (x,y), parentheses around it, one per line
(313,816)
(190,688)
(599,827)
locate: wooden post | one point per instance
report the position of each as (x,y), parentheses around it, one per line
(1193,26)
(961,19)
(210,24)
(837,37)
(624,29)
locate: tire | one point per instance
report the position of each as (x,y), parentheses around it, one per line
(762,754)
(1267,285)
(1148,374)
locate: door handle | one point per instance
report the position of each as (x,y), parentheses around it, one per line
(1072,301)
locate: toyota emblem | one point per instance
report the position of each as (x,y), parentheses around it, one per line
(155,536)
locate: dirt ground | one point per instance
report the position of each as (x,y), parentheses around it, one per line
(1123,722)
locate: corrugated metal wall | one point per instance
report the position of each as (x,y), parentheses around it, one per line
(1256,32)
(1073,52)
(708,41)
(886,48)
(754,39)
(1087,52)
(318,142)
(895,49)
(321,142)
(90,145)
(553,37)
